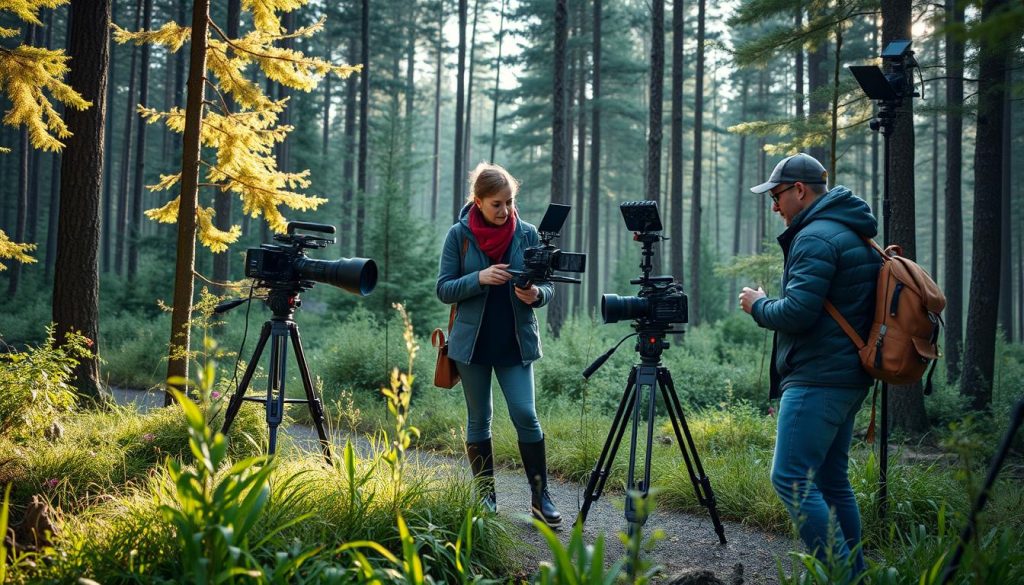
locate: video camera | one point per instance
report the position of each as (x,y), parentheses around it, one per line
(286,265)
(661,301)
(540,262)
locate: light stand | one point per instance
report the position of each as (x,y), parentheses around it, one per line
(889,91)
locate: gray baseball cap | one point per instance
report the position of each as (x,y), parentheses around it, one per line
(799,167)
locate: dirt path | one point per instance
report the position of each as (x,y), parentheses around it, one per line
(690,542)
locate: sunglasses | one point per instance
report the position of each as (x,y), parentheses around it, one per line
(775,196)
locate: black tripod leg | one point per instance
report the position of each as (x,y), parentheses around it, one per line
(595,486)
(275,382)
(236,399)
(646,381)
(705,494)
(315,408)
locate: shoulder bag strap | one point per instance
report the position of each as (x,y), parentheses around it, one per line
(451,316)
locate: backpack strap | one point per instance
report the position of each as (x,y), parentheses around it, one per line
(844,324)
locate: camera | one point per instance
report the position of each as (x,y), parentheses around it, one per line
(661,301)
(540,262)
(286,265)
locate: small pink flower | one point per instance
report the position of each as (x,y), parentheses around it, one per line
(52,482)
(771,411)
(148,437)
(88,342)
(215,395)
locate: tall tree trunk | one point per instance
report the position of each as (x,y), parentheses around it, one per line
(467,137)
(817,79)
(54,199)
(458,175)
(325,136)
(834,116)
(676,154)
(799,51)
(740,187)
(581,142)
(349,165)
(410,98)
(222,199)
(935,165)
(953,283)
(874,136)
(593,218)
(107,218)
(135,230)
(1006,212)
(497,81)
(76,286)
(762,174)
(21,214)
(32,213)
(121,248)
(906,403)
(559,147)
(435,184)
(696,205)
(983,304)
(177,360)
(656,79)
(364,126)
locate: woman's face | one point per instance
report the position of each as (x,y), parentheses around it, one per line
(496,208)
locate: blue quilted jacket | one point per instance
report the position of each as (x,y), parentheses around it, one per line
(825,258)
(458,282)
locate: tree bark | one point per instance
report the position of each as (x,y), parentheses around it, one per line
(435,184)
(458,174)
(656,79)
(559,144)
(21,211)
(1006,212)
(177,360)
(696,205)
(467,142)
(593,219)
(107,218)
(581,142)
(349,165)
(906,403)
(740,187)
(32,213)
(676,155)
(799,51)
(76,286)
(983,303)
(364,126)
(817,79)
(135,230)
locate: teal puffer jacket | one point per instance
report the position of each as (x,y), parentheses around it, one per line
(825,258)
(458,282)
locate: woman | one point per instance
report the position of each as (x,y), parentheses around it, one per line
(495,329)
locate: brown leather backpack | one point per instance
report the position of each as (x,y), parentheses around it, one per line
(905,332)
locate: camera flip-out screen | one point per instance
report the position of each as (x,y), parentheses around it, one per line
(554,218)
(641,216)
(873,82)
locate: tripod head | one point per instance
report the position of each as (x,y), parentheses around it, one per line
(889,89)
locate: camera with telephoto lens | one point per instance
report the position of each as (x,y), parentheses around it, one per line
(285,265)
(540,262)
(661,301)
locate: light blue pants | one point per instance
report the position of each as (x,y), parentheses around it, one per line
(811,464)
(516,384)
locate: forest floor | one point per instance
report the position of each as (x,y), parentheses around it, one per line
(689,546)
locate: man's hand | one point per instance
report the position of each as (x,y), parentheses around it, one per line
(749,296)
(494,274)
(528,295)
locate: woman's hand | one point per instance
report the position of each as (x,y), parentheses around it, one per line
(528,295)
(494,274)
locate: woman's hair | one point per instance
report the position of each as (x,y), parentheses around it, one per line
(489,179)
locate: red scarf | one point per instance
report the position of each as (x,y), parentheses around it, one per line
(494,240)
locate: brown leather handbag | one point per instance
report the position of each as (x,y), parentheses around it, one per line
(446,375)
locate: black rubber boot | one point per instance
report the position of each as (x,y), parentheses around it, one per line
(481,460)
(535,464)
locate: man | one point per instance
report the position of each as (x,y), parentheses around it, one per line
(815,366)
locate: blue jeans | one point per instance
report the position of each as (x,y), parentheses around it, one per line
(811,464)
(516,384)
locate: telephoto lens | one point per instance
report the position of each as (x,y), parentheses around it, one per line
(355,275)
(615,308)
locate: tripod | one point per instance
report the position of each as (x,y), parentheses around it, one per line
(279,330)
(645,377)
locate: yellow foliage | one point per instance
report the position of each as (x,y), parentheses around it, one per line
(171,35)
(28,10)
(215,239)
(264,12)
(14,251)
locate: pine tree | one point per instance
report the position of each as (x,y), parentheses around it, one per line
(242,141)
